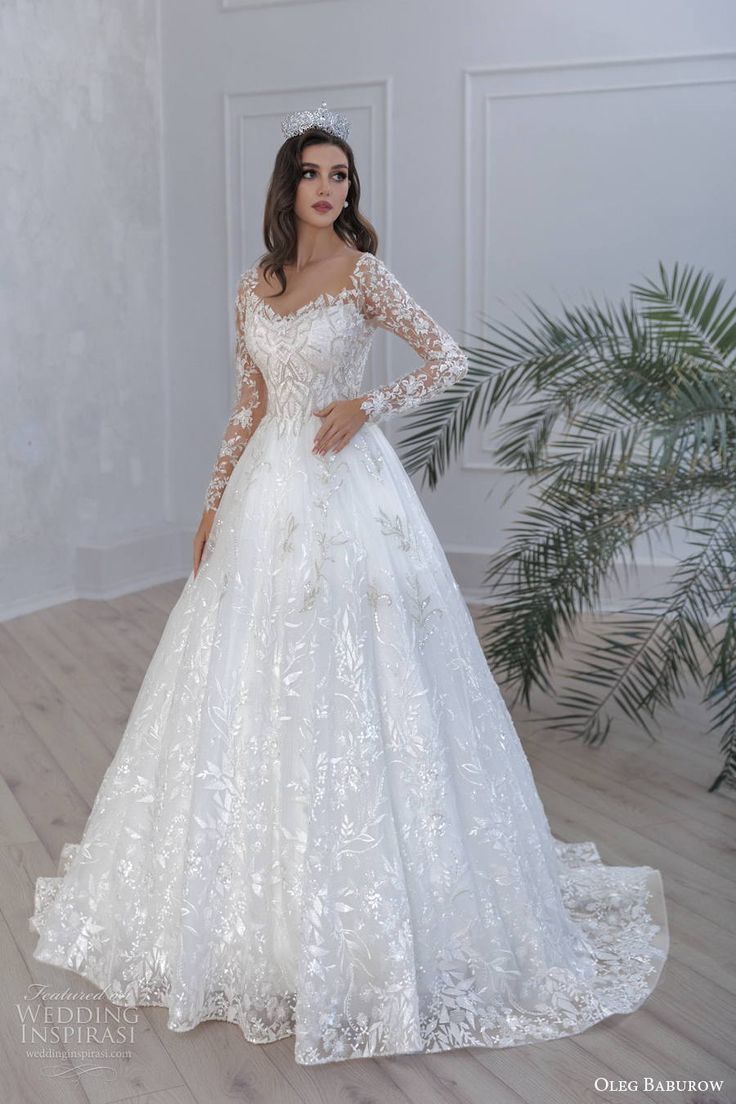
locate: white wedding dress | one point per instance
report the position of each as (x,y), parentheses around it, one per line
(320,821)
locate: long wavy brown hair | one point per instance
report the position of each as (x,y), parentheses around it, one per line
(279,220)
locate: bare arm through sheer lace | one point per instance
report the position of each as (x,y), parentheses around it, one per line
(387,304)
(248,408)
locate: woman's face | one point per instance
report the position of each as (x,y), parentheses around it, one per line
(324,181)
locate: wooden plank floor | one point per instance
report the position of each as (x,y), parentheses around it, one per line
(68,679)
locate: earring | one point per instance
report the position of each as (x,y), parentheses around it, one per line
(345,203)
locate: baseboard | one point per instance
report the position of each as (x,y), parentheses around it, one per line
(141,559)
(160,555)
(646,579)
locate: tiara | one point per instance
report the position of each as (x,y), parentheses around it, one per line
(332,121)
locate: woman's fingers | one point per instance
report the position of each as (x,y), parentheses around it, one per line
(324,442)
(201,538)
(341,420)
(330,434)
(342,441)
(199,543)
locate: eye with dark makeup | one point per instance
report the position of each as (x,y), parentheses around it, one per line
(339,174)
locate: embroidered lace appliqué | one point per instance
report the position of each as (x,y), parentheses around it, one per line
(387,304)
(378,300)
(320,820)
(248,408)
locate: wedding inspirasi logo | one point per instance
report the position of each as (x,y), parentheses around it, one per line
(89,1028)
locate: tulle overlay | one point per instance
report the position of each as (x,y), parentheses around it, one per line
(320,820)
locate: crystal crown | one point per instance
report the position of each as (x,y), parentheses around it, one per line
(332,121)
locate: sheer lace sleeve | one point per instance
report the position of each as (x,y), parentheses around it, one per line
(248,408)
(385,303)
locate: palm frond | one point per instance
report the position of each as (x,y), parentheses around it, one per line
(622,419)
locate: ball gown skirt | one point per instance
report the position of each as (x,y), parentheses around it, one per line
(320,821)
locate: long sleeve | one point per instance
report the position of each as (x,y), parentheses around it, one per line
(387,304)
(248,408)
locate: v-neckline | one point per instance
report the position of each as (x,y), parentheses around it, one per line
(325,298)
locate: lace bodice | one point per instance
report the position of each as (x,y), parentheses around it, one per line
(290,364)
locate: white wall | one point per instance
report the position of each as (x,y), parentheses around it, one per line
(82,291)
(505,149)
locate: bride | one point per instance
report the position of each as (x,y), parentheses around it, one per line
(320,821)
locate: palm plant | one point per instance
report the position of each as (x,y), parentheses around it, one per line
(627,428)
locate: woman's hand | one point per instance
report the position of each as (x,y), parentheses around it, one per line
(341,421)
(201,537)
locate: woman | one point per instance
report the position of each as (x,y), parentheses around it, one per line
(320,821)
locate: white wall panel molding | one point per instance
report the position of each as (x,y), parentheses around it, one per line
(569,114)
(245,5)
